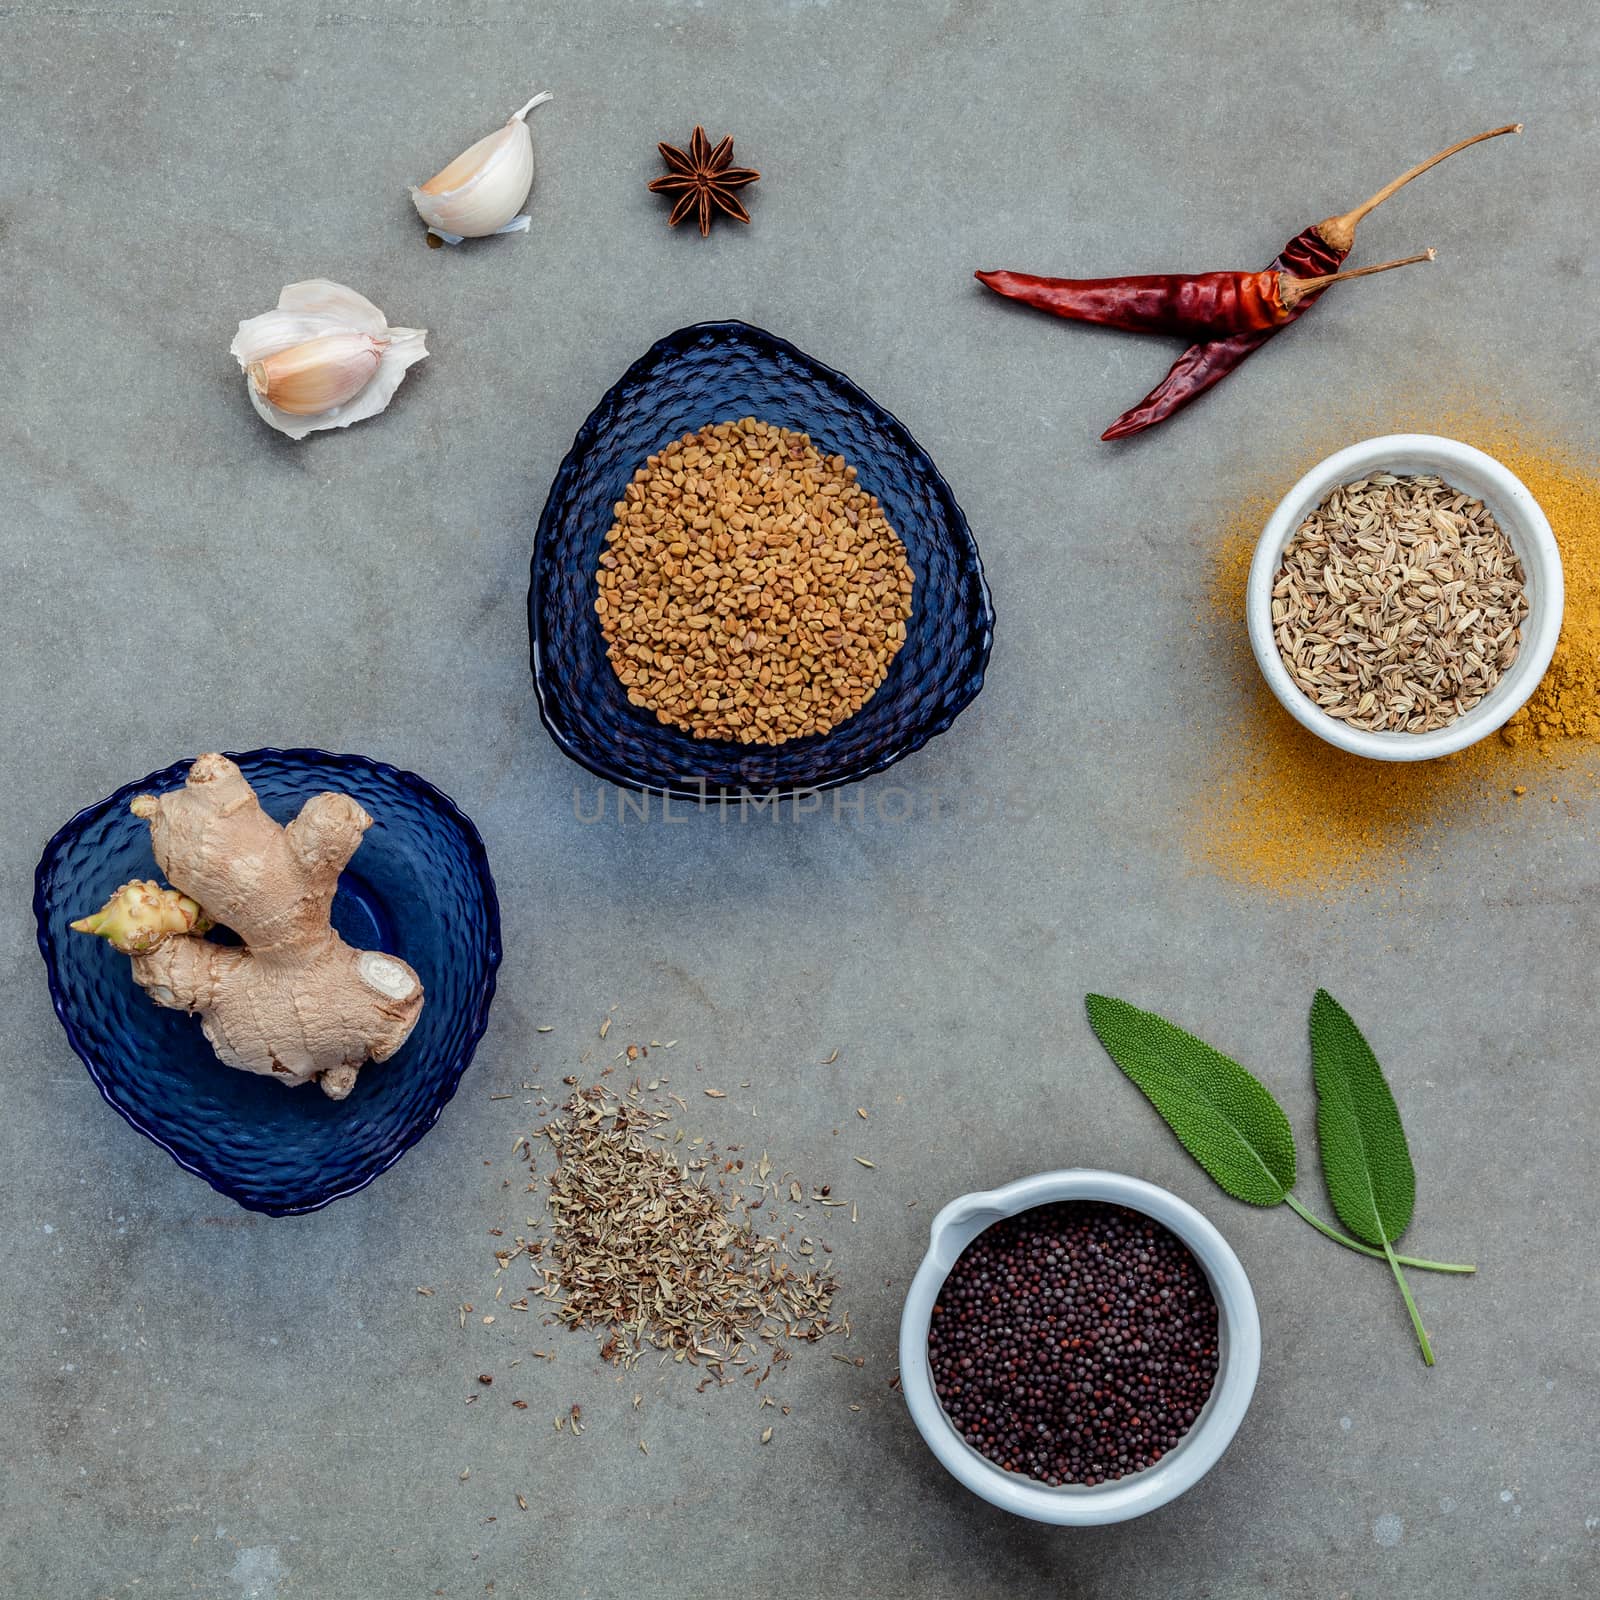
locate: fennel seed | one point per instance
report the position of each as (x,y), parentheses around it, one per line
(651,1252)
(1398,604)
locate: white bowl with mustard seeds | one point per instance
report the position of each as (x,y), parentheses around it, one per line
(1515,513)
(1238,1345)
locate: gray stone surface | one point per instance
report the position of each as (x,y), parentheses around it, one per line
(199,1401)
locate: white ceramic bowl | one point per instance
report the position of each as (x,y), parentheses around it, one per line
(1238,1352)
(1514,509)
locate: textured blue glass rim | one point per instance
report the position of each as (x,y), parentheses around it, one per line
(594,427)
(172,777)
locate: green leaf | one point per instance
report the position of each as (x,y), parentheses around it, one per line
(1365,1161)
(1225,1118)
(1364,1157)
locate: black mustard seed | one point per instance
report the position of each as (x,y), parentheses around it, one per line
(1074,1343)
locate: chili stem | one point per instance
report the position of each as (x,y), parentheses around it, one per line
(1294,289)
(1422,166)
(1366,1250)
(1340,232)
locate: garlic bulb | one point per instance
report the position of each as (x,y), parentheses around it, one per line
(324,359)
(484,188)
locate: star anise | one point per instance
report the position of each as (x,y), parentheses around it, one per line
(702,179)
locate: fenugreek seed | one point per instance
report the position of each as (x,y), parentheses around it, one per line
(768,621)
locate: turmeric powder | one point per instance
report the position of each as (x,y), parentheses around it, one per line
(1280,809)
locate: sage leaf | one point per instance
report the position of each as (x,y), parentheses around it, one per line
(1225,1117)
(1365,1160)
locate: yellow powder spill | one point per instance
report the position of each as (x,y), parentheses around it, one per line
(1280,809)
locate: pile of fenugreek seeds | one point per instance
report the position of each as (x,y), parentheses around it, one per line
(1399,604)
(750,590)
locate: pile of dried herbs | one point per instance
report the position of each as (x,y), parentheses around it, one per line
(656,1252)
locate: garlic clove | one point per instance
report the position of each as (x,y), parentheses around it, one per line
(315,376)
(316,313)
(405,346)
(469,167)
(483,189)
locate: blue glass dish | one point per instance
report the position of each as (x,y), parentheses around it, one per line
(715,372)
(418,887)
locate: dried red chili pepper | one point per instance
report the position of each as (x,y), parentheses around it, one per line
(1314,253)
(1204,305)
(1204,365)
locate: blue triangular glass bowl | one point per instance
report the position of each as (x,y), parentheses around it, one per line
(418,887)
(715,372)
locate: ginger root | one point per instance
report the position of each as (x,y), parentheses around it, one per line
(296,1003)
(141,914)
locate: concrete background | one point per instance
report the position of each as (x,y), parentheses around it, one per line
(198,1401)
